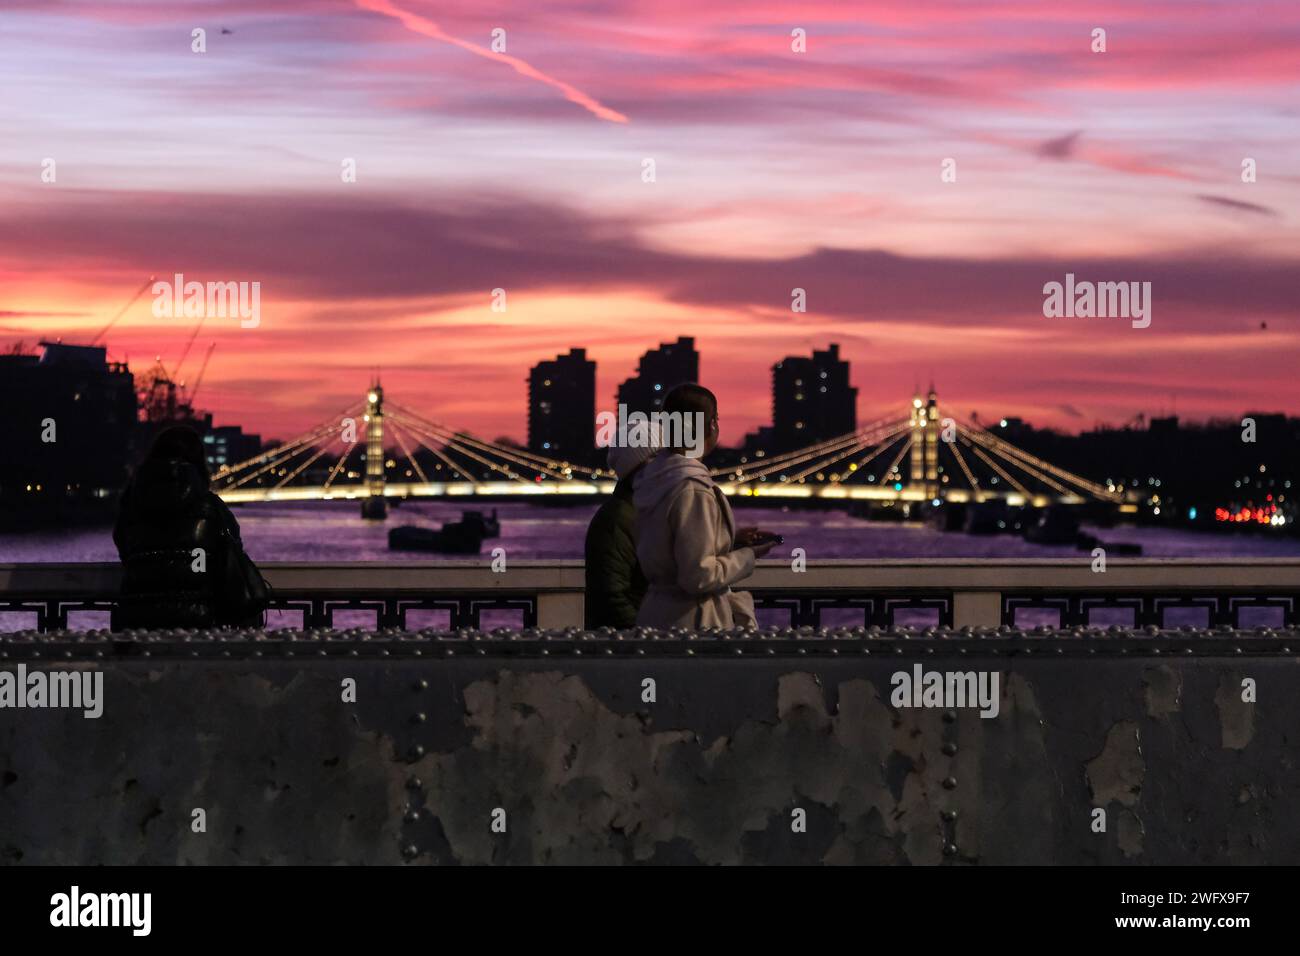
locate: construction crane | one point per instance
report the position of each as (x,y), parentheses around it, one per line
(202,368)
(189,344)
(121,312)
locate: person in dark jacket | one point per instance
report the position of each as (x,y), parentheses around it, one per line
(615,584)
(175,538)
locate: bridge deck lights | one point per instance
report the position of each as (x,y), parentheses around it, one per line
(931,480)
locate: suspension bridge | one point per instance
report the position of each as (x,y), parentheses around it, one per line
(373,451)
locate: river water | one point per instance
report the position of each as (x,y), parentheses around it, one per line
(333,531)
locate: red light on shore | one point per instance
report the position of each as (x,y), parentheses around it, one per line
(1258,515)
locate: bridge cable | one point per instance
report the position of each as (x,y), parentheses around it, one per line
(314,433)
(519,456)
(769,464)
(289,452)
(455,441)
(998,468)
(907,445)
(884,446)
(420,435)
(1009,450)
(812,468)
(401,443)
(855,441)
(338,466)
(1040,476)
(420,431)
(1027,469)
(451,445)
(278,452)
(301,468)
(961,460)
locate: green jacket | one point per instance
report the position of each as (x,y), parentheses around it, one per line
(615,584)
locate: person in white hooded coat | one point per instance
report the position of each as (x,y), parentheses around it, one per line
(687,543)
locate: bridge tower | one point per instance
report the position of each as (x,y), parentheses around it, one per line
(932,444)
(375,506)
(924,453)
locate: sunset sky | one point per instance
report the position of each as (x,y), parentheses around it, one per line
(774,170)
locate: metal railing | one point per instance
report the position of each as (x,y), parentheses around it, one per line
(549,594)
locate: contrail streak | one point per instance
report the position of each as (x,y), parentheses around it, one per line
(427,27)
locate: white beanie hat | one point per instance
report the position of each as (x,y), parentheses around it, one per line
(626,458)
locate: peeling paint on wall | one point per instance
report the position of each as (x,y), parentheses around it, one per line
(1164,690)
(1236,716)
(666,788)
(1117,772)
(1128,833)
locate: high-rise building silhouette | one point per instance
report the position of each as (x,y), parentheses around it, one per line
(562,407)
(812,399)
(228,444)
(658,371)
(67,423)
